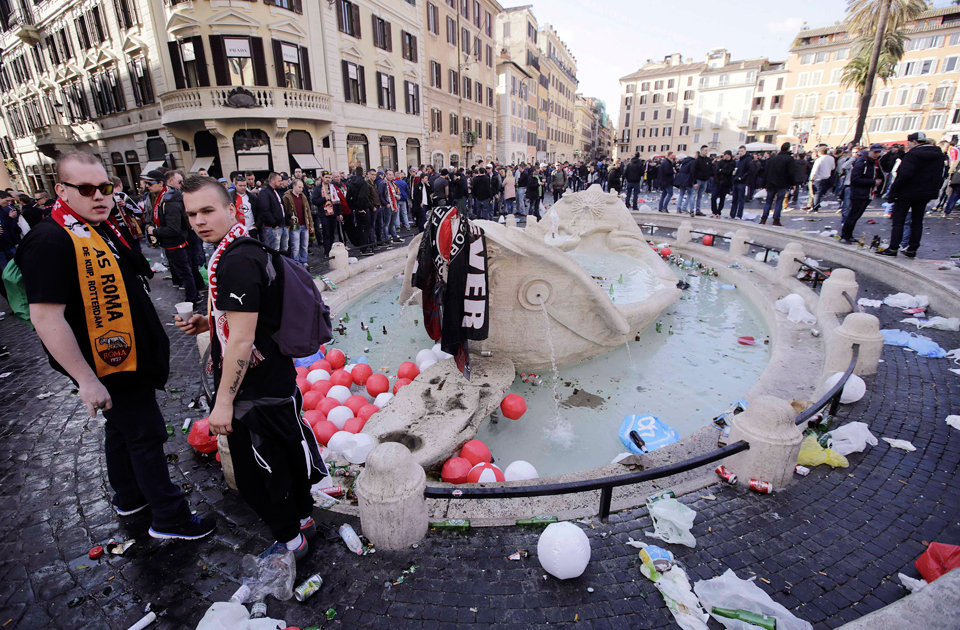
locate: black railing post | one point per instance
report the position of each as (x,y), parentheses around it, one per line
(606,496)
(835,403)
(766,252)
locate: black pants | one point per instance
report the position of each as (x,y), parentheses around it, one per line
(365,228)
(719,197)
(183,267)
(420,212)
(136,464)
(330,227)
(916,208)
(199,258)
(857,208)
(535,207)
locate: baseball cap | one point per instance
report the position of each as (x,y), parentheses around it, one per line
(223,180)
(152,176)
(876,147)
(917,136)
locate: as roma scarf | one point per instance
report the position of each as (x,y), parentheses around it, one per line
(107,308)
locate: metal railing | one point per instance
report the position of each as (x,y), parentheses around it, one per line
(819,274)
(766,249)
(832,395)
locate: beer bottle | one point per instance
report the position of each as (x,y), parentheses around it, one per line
(537,520)
(763,621)
(453,524)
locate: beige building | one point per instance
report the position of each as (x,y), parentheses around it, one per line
(517,34)
(558,113)
(585,129)
(921,97)
(516,114)
(766,108)
(461,80)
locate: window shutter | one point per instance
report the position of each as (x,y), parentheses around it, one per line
(375,30)
(380,102)
(362,82)
(202,77)
(413,48)
(147,95)
(305,68)
(259,61)
(347,96)
(176,64)
(355,12)
(218,54)
(416,99)
(340,25)
(406,96)
(393,94)
(298,6)
(388,36)
(278,63)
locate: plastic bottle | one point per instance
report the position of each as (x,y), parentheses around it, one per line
(762,621)
(455,524)
(351,539)
(258,610)
(537,520)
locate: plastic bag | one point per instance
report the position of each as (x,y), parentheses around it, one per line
(953,421)
(903,445)
(937,560)
(852,438)
(200,438)
(911,584)
(233,616)
(729,591)
(938,323)
(680,600)
(275,575)
(905,300)
(672,522)
(895,337)
(869,302)
(926,347)
(812,454)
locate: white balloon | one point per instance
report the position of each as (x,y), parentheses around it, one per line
(520,471)
(563,550)
(363,443)
(341,441)
(317,375)
(340,415)
(348,367)
(440,353)
(853,391)
(382,399)
(339,392)
(428,363)
(425,355)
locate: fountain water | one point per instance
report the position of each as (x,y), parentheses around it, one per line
(561,431)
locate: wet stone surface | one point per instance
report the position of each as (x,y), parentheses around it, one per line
(828,548)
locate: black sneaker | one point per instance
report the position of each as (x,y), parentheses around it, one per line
(890,251)
(194,529)
(910,253)
(846,241)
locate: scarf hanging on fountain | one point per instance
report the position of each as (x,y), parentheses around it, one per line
(218,318)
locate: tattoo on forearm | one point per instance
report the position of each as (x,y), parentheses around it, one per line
(238,376)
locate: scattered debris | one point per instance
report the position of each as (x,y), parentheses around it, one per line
(901,444)
(44,395)
(519,555)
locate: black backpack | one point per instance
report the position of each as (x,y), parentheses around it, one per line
(798,170)
(304,318)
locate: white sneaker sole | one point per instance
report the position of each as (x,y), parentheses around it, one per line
(130,512)
(155,534)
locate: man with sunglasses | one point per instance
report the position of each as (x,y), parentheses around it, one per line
(89,304)
(172,230)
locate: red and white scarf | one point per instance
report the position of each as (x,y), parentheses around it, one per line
(392,189)
(156,206)
(218,318)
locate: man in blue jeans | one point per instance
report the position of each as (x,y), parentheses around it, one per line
(779,178)
(633,174)
(665,180)
(740,175)
(702,172)
(271,214)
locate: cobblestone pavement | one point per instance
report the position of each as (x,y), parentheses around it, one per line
(828,548)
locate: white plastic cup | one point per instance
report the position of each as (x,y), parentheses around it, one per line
(185,310)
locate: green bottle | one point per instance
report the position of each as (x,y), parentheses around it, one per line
(537,520)
(763,621)
(369,335)
(659,326)
(621,278)
(453,524)
(346,317)
(611,289)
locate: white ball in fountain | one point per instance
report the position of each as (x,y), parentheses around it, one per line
(423,366)
(383,399)
(340,415)
(340,393)
(441,355)
(361,445)
(563,549)
(341,441)
(853,391)
(318,375)
(520,471)
(425,355)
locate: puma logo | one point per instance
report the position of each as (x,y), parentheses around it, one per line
(238,298)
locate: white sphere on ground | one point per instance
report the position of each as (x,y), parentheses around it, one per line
(426,364)
(317,375)
(563,550)
(340,393)
(339,416)
(383,399)
(357,453)
(440,353)
(853,391)
(425,355)
(520,471)
(341,441)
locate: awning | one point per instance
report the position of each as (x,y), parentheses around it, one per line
(152,166)
(201,162)
(253,162)
(307,160)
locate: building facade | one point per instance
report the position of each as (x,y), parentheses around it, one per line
(585,130)
(558,107)
(517,33)
(459,94)
(516,137)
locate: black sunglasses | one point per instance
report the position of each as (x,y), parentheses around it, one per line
(87,190)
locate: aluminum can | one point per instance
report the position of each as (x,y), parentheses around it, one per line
(308,588)
(763,487)
(726,475)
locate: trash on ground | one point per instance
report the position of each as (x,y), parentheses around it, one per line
(44,395)
(803,471)
(672,522)
(901,444)
(272,574)
(658,566)
(643,433)
(763,487)
(751,618)
(812,454)
(730,592)
(234,616)
(563,550)
(954,355)
(852,438)
(795,309)
(911,584)
(937,560)
(746,341)
(632,461)
(519,555)
(308,587)
(937,323)
(351,539)
(923,346)
(406,573)
(953,421)
(853,390)
(905,300)
(118,549)
(870,303)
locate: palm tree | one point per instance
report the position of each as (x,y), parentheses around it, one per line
(870,21)
(855,72)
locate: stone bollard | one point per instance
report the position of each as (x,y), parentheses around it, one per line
(340,258)
(738,244)
(510,221)
(226,462)
(831,295)
(531,220)
(787,267)
(861,328)
(683,233)
(393,510)
(768,424)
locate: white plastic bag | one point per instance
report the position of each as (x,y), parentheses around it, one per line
(869,302)
(275,575)
(905,300)
(672,522)
(729,591)
(911,584)
(938,323)
(233,616)
(682,603)
(852,438)
(903,445)
(953,421)
(788,302)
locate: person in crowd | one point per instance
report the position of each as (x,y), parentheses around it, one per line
(420,199)
(615,182)
(702,172)
(844,166)
(253,186)
(272,216)
(125,215)
(665,177)
(864,177)
(918,180)
(823,168)
(40,208)
(887,161)
(118,367)
(404,203)
(684,182)
(753,176)
(202,172)
(376,237)
(171,229)
(330,198)
(9,230)
(740,175)
(257,403)
(296,207)
(510,192)
(440,188)
(778,177)
(558,182)
(633,175)
(390,197)
(722,181)
(246,205)
(945,187)
(360,201)
(482,192)
(534,191)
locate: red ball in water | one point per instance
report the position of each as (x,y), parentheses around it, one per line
(377,384)
(360,373)
(342,377)
(311,399)
(476,452)
(327,405)
(354,425)
(356,403)
(322,386)
(321,364)
(335,358)
(399,383)
(303,385)
(707,239)
(324,430)
(513,406)
(313,416)
(302,372)
(367,410)
(455,470)
(665,252)
(483,473)
(408,370)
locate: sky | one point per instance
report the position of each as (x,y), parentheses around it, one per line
(614,38)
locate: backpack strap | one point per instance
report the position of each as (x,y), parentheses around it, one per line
(271,262)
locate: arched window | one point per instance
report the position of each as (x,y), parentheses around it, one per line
(798,102)
(831,102)
(919,94)
(903,93)
(812,102)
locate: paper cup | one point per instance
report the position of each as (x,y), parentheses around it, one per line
(185,310)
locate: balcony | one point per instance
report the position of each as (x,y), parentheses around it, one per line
(53,134)
(22,26)
(915,107)
(468,139)
(941,104)
(220,103)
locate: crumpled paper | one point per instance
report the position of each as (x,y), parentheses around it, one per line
(953,421)
(901,444)
(869,302)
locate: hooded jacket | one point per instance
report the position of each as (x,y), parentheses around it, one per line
(919,175)
(634,171)
(684,175)
(665,174)
(779,171)
(173,227)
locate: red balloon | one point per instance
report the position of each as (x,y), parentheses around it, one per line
(746,341)
(303,385)
(408,370)
(322,386)
(324,430)
(328,404)
(377,384)
(366,411)
(707,239)
(665,252)
(360,373)
(342,377)
(311,399)
(455,470)
(313,416)
(335,358)
(321,364)
(323,349)
(200,438)
(477,471)
(513,406)
(356,403)
(400,382)
(354,425)
(302,371)
(476,452)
